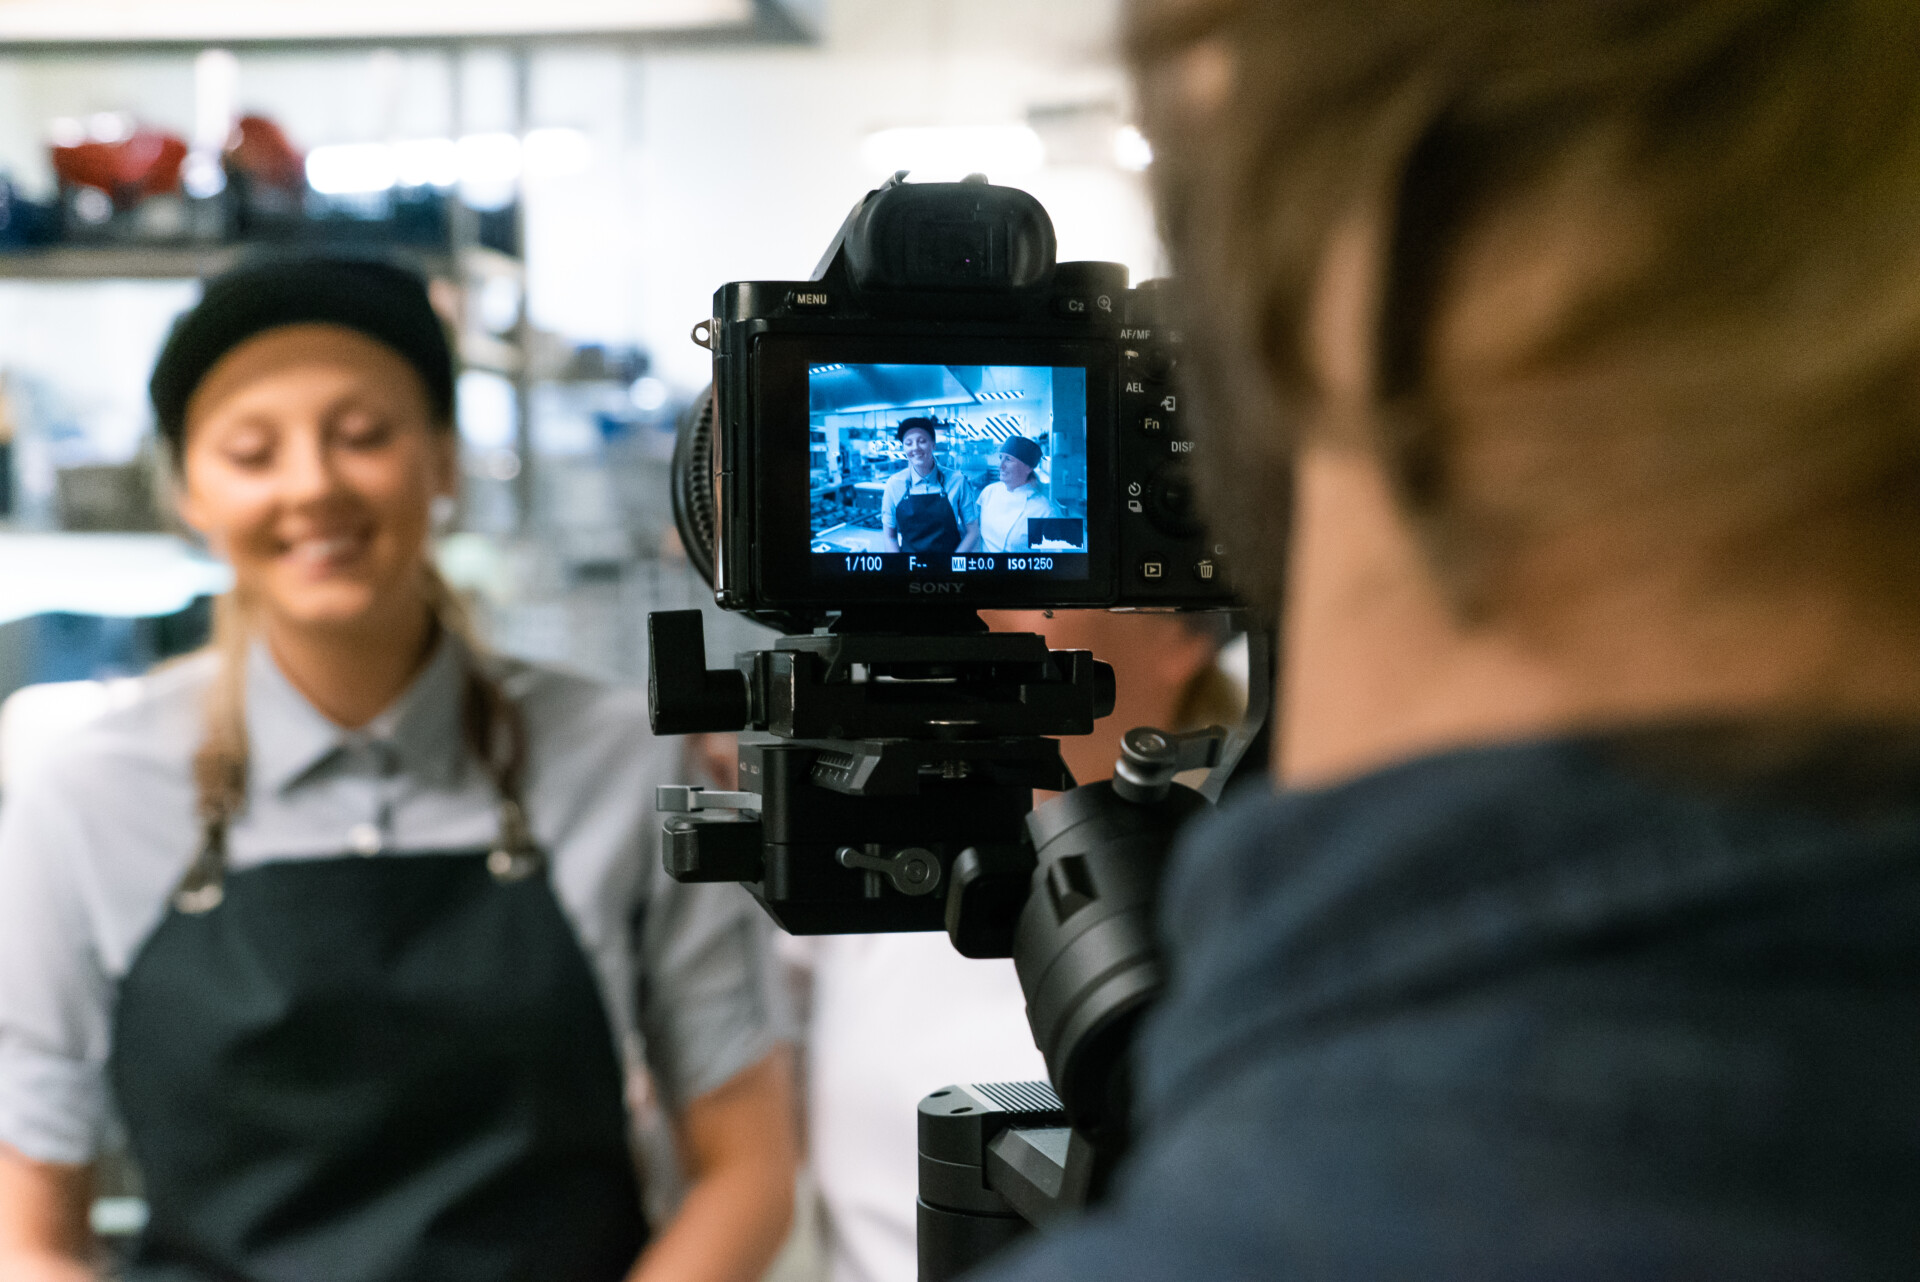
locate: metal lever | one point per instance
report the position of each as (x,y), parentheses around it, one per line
(912,871)
(1150,758)
(684,799)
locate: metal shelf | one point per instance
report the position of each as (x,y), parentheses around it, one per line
(192,262)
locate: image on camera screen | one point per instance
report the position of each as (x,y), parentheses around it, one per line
(948,469)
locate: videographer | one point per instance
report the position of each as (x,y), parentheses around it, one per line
(925,509)
(1583,938)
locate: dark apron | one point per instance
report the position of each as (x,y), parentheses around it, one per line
(394,1068)
(927,523)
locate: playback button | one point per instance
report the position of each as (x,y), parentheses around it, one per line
(1151,569)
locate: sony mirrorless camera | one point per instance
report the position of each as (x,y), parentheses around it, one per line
(861,421)
(945,420)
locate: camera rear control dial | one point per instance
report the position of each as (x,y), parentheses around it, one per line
(1169,500)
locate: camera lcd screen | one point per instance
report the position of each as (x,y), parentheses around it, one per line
(945,470)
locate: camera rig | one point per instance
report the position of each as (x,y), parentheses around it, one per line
(889,788)
(890,744)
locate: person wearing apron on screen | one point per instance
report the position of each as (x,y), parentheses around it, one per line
(925,509)
(359,933)
(1009,503)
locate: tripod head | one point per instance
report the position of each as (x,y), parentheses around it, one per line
(886,784)
(879,757)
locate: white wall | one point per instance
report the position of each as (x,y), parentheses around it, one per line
(740,164)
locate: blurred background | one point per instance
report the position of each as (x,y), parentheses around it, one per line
(577,177)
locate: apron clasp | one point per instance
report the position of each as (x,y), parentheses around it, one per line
(515,857)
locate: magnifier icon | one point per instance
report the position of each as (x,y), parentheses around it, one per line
(1104,303)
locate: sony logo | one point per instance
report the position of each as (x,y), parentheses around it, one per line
(936,587)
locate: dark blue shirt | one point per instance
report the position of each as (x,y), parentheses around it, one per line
(1624,1008)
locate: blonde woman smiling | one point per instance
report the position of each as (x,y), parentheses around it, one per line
(355,929)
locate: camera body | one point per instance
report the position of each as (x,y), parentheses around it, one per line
(945,418)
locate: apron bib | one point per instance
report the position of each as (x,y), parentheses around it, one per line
(385,1069)
(927,524)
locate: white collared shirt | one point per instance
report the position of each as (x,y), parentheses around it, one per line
(94,839)
(1004,514)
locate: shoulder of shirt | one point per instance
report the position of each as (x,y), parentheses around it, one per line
(144,723)
(576,713)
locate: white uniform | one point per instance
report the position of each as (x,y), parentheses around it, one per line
(895,1017)
(1004,514)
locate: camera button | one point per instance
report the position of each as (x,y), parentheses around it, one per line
(1074,308)
(1152,568)
(1170,504)
(1152,365)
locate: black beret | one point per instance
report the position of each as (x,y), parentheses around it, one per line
(931,426)
(384,301)
(1020,447)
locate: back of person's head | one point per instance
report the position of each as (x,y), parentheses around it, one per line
(1635,280)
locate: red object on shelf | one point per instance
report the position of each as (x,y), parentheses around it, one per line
(260,149)
(146,164)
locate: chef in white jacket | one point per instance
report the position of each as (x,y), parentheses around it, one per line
(1015,499)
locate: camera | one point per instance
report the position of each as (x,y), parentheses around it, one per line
(945,420)
(945,417)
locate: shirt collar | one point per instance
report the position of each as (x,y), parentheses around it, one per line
(288,737)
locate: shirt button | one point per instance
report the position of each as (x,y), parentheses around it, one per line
(364,839)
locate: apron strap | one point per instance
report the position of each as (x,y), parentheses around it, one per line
(497,733)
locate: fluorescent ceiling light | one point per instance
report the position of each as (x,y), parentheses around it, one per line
(118,575)
(946,153)
(240,21)
(424,162)
(351,169)
(485,166)
(1131,150)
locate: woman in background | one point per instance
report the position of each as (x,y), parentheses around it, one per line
(924,509)
(358,931)
(1006,505)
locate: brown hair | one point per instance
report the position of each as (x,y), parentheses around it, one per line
(1704,218)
